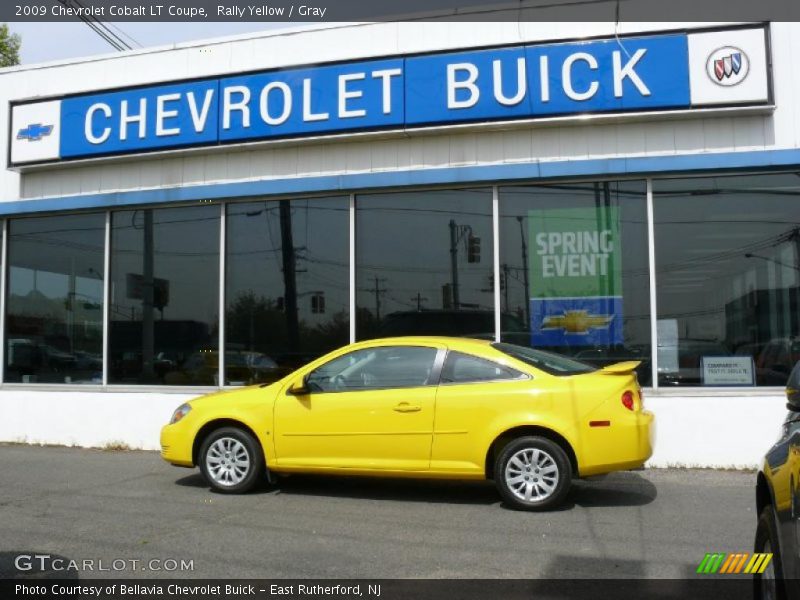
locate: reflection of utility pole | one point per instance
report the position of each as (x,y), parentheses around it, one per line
(473,250)
(504,285)
(289,276)
(378,291)
(148,294)
(454,262)
(525,282)
(71,304)
(419,299)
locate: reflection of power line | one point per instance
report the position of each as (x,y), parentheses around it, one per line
(377,290)
(772,260)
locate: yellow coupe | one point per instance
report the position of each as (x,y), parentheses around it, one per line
(423,407)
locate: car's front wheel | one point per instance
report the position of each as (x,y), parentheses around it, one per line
(532,473)
(769,584)
(231,460)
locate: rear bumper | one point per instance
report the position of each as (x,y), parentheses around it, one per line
(628,444)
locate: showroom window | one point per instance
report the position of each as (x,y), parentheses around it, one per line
(54,323)
(728,275)
(424,263)
(574,270)
(164,297)
(287,294)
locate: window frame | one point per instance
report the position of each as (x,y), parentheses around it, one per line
(433,378)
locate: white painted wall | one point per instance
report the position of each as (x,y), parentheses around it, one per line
(86,418)
(692,430)
(697,429)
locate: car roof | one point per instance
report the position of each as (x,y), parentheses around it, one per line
(450,341)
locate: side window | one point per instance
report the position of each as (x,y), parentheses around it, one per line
(464,368)
(375,368)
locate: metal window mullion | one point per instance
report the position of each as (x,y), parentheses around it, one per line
(3,319)
(222,262)
(651,257)
(106,295)
(352,282)
(496,261)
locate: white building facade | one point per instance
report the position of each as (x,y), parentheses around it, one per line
(216,214)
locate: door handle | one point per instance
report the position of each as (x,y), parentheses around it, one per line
(405,407)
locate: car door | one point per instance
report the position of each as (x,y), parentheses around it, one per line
(472,392)
(368,409)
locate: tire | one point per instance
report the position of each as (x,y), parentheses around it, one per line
(231,460)
(546,487)
(770,584)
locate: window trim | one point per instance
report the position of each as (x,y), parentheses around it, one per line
(433,379)
(523,376)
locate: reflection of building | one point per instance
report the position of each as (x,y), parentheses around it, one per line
(763,314)
(242,244)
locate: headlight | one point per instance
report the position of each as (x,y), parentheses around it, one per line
(179,413)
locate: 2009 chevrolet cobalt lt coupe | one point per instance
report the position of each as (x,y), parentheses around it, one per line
(423,407)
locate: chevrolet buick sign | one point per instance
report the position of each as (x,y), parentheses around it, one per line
(661,72)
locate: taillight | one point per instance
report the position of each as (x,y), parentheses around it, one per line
(627,399)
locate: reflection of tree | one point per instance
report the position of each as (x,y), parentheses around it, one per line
(258,323)
(366,323)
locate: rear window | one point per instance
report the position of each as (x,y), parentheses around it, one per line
(555,364)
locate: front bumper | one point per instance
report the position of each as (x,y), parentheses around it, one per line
(176,446)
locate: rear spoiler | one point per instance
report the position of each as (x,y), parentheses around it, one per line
(621,368)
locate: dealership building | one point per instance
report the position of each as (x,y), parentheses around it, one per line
(215,214)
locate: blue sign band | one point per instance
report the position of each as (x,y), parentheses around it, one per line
(640,73)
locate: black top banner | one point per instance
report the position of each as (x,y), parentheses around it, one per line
(328,11)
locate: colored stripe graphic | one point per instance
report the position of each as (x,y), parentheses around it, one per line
(758,564)
(734,563)
(711,562)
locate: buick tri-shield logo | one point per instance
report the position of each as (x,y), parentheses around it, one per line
(727,66)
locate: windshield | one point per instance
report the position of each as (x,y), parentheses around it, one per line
(555,364)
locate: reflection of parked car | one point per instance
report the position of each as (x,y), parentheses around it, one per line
(202,368)
(690,355)
(778,506)
(86,361)
(777,359)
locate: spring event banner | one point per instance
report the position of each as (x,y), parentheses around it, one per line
(575,276)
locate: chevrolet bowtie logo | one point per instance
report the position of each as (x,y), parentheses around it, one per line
(34,132)
(576,321)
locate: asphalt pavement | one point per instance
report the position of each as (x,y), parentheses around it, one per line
(130,507)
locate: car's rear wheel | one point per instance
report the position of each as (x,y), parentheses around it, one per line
(769,584)
(532,473)
(231,460)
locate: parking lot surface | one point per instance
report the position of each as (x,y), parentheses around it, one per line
(131,507)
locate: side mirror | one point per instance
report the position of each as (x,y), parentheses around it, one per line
(299,388)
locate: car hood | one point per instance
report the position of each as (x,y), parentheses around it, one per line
(238,394)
